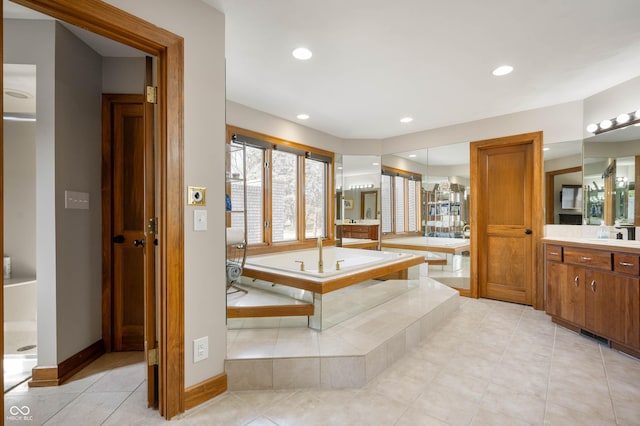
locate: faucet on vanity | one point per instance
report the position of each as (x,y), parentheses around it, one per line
(631,231)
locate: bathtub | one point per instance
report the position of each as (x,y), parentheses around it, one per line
(356,266)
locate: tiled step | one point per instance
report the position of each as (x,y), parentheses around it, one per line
(347,355)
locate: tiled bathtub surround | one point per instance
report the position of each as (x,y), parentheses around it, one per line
(347,355)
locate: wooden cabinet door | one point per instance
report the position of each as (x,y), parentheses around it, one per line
(571,296)
(606,304)
(632,325)
(556,275)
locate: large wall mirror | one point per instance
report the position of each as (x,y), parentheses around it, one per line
(357,201)
(563,183)
(611,170)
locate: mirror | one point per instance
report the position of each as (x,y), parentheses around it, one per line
(360,176)
(357,201)
(611,170)
(369,205)
(563,183)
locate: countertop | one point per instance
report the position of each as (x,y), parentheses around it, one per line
(628,246)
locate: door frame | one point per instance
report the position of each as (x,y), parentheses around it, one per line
(118,25)
(537,225)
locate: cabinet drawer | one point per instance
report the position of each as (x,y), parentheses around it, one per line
(626,263)
(359,228)
(554,253)
(592,258)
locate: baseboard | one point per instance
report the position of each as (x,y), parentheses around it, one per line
(57,375)
(204,391)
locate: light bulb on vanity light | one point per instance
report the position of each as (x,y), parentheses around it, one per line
(592,127)
(605,124)
(622,118)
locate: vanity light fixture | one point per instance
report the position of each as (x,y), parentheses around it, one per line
(622,120)
(502,70)
(302,53)
(302,116)
(364,186)
(406,120)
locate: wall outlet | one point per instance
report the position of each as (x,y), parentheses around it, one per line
(200,349)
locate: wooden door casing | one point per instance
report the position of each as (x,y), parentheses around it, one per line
(106,20)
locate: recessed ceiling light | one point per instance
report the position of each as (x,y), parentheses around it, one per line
(406,120)
(302,53)
(375,164)
(412,155)
(546,149)
(302,116)
(502,70)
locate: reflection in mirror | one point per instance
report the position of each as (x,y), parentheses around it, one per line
(445,240)
(563,183)
(357,201)
(611,170)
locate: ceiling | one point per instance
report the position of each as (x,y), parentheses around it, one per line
(377,61)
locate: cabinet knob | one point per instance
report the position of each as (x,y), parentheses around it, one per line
(528,231)
(585,259)
(576,280)
(593,286)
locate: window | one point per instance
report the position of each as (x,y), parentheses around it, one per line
(315,198)
(401,201)
(287,190)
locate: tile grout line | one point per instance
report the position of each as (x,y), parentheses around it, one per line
(123,401)
(606,376)
(546,394)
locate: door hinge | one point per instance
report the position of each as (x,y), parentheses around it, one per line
(152,358)
(152,225)
(152,94)
(266,164)
(266,223)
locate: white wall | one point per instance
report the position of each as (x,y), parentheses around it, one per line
(78,155)
(204,137)
(123,75)
(624,97)
(20,197)
(32,42)
(258,121)
(559,123)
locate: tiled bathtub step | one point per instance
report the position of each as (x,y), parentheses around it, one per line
(345,356)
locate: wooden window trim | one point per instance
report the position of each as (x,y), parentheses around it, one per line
(301,242)
(407,175)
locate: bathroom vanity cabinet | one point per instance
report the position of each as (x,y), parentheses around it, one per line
(595,290)
(365,231)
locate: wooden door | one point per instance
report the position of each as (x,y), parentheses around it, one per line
(129,220)
(129,297)
(571,295)
(606,299)
(507,218)
(556,276)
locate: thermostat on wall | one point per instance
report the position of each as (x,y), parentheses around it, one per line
(196,195)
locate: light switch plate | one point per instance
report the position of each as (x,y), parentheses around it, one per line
(199,220)
(76,200)
(200,349)
(196,196)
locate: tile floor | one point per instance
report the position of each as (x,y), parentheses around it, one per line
(493,363)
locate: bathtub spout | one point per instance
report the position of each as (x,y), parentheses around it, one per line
(320,263)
